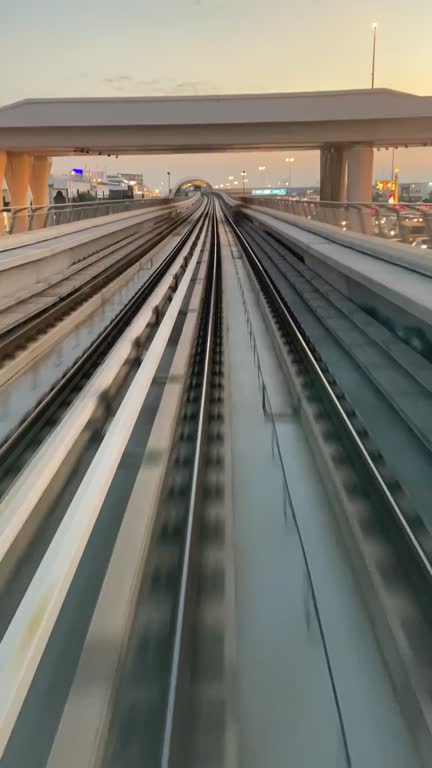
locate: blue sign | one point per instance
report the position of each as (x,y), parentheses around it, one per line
(77,171)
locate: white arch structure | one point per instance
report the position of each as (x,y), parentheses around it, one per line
(190,182)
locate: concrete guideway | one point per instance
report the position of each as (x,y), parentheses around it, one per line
(394,272)
(389,545)
(55,573)
(284,665)
(30,265)
(90,703)
(283,694)
(28,376)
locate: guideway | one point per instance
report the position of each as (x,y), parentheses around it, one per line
(204,560)
(285,692)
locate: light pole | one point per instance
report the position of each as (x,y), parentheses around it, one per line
(243,173)
(393,163)
(290,161)
(262,168)
(374,30)
(169,183)
(396,185)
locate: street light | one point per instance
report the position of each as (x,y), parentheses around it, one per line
(243,173)
(396,185)
(169,183)
(393,164)
(290,161)
(374,29)
(263,168)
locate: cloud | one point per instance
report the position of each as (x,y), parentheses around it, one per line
(193,86)
(156,81)
(117,79)
(159,86)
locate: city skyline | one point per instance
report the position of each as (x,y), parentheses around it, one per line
(215,47)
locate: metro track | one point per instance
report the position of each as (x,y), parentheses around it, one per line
(13,552)
(15,337)
(161,582)
(390,543)
(25,439)
(167,727)
(286,272)
(19,448)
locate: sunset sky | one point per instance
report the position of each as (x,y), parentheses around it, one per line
(109,48)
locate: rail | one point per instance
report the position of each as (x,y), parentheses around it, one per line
(387,502)
(176,703)
(84,365)
(403,223)
(404,533)
(28,218)
(287,498)
(28,633)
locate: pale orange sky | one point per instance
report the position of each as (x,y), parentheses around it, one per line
(105,47)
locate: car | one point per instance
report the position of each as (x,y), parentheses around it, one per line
(422,242)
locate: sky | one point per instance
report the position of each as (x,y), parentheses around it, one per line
(138,48)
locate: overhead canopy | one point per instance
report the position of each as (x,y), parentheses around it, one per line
(377,117)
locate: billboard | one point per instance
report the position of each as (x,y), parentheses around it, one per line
(282,191)
(385,185)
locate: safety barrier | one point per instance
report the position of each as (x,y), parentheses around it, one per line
(38,217)
(408,223)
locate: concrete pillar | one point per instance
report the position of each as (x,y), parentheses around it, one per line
(360,174)
(18,169)
(333,174)
(3,158)
(39,176)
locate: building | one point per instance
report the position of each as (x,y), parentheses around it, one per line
(61,189)
(120,181)
(133,178)
(136,180)
(414,192)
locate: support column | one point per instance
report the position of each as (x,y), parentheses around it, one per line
(18,168)
(333,174)
(39,176)
(3,158)
(360,175)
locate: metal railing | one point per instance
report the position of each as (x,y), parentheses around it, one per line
(13,220)
(409,223)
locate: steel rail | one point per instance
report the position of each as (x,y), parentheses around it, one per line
(307,349)
(181,621)
(85,365)
(26,329)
